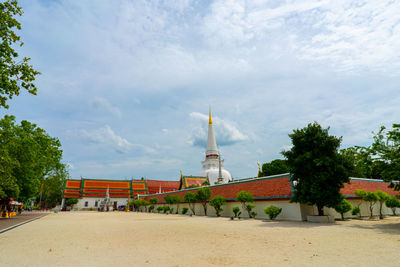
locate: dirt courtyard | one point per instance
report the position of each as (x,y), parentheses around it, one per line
(142,239)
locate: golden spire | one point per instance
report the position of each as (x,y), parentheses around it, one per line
(259,170)
(209,119)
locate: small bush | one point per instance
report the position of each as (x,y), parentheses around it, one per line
(355,211)
(343,207)
(272,212)
(165,209)
(236,211)
(393,203)
(171,210)
(91,209)
(185,210)
(159,209)
(253,214)
(151,208)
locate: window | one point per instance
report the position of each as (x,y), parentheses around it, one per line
(96,203)
(86,203)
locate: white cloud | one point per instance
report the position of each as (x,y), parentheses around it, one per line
(226,133)
(107,136)
(347,35)
(100,103)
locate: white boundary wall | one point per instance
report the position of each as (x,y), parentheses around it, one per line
(290,211)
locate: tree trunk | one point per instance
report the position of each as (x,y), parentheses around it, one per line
(342,216)
(191,205)
(205,208)
(371,208)
(394,211)
(320,210)
(380,210)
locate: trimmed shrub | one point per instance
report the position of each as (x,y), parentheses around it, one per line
(185,210)
(244,198)
(393,203)
(217,202)
(203,195)
(372,198)
(382,198)
(236,211)
(356,211)
(343,207)
(191,199)
(272,212)
(151,208)
(159,208)
(253,214)
(165,209)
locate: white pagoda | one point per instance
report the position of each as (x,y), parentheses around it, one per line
(213,166)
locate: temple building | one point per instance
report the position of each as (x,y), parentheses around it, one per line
(91,192)
(274,190)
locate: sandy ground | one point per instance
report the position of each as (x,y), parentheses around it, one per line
(140,239)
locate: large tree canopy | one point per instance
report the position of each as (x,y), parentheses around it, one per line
(277,166)
(318,169)
(28,156)
(15,72)
(380,160)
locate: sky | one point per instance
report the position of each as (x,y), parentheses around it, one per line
(126,85)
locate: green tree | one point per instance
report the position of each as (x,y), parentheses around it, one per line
(217,202)
(203,195)
(144,203)
(372,198)
(53,186)
(272,212)
(382,198)
(245,198)
(71,202)
(169,199)
(15,71)
(343,207)
(30,156)
(361,160)
(191,199)
(393,203)
(386,150)
(277,166)
(360,193)
(318,169)
(177,200)
(153,200)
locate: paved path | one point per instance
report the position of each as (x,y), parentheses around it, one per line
(24,217)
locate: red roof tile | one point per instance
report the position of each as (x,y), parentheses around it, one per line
(368,185)
(277,187)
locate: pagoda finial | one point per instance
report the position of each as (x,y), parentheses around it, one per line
(209,119)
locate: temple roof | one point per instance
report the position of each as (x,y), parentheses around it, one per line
(187,181)
(117,188)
